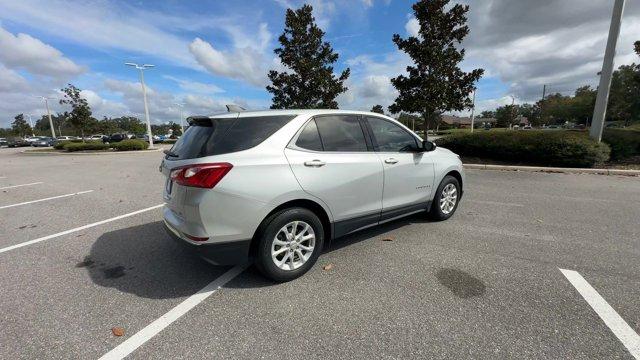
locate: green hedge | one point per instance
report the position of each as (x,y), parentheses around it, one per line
(545,148)
(90,145)
(129,145)
(60,144)
(624,143)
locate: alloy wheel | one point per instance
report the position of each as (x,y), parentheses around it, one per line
(293,245)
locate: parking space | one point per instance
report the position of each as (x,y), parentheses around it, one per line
(485,284)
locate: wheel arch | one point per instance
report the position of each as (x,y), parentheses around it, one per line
(310,205)
(456,174)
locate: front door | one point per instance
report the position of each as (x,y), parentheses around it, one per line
(408,172)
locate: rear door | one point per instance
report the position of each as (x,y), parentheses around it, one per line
(332,160)
(408,172)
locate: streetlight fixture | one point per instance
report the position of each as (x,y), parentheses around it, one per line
(141,68)
(46,103)
(181,106)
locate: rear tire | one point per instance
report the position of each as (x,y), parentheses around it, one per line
(289,244)
(446,199)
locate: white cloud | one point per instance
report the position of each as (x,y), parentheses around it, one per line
(162,106)
(245,63)
(23,51)
(563,48)
(11,81)
(101,25)
(412,27)
(323,10)
(195,86)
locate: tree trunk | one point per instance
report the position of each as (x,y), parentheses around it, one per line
(426,126)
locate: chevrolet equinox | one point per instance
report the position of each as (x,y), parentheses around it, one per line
(275,185)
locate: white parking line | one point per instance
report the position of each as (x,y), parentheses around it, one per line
(45,199)
(151,330)
(21,185)
(629,338)
(34,241)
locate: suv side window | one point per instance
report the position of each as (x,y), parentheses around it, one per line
(341,133)
(309,138)
(391,137)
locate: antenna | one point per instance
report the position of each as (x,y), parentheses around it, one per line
(235,108)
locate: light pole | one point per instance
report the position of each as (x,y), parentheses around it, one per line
(600,110)
(31,124)
(46,103)
(473,109)
(181,106)
(144,96)
(512,118)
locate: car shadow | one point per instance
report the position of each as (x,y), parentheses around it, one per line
(143,260)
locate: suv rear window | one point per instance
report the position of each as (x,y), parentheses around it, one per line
(225,135)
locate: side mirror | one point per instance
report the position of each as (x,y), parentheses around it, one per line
(428,145)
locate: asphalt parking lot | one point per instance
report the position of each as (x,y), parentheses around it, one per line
(486,284)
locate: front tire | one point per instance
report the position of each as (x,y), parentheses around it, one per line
(446,200)
(289,244)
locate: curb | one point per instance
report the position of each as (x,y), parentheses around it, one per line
(52,153)
(554,169)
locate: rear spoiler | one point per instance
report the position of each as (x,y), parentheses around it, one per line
(199,120)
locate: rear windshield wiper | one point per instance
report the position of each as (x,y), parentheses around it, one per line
(170,153)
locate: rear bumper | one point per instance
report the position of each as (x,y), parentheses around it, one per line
(225,253)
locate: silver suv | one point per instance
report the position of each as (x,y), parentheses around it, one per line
(276,185)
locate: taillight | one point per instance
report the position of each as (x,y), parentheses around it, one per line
(200,175)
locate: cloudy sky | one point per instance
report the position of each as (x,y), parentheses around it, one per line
(208,54)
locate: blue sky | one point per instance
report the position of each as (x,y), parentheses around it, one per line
(208,54)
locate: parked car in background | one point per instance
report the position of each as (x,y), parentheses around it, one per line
(43,141)
(31,139)
(97,137)
(276,185)
(114,138)
(3,142)
(17,142)
(527,127)
(145,137)
(66,138)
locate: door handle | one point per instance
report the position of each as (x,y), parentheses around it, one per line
(314,163)
(391,161)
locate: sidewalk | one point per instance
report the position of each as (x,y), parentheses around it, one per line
(554,169)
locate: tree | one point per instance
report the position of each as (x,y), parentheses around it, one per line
(80,115)
(583,103)
(130,124)
(410,121)
(20,126)
(377,109)
(308,81)
(488,114)
(636,46)
(435,83)
(624,98)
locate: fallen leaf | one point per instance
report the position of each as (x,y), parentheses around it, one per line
(539,220)
(327,267)
(117,331)
(389,238)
